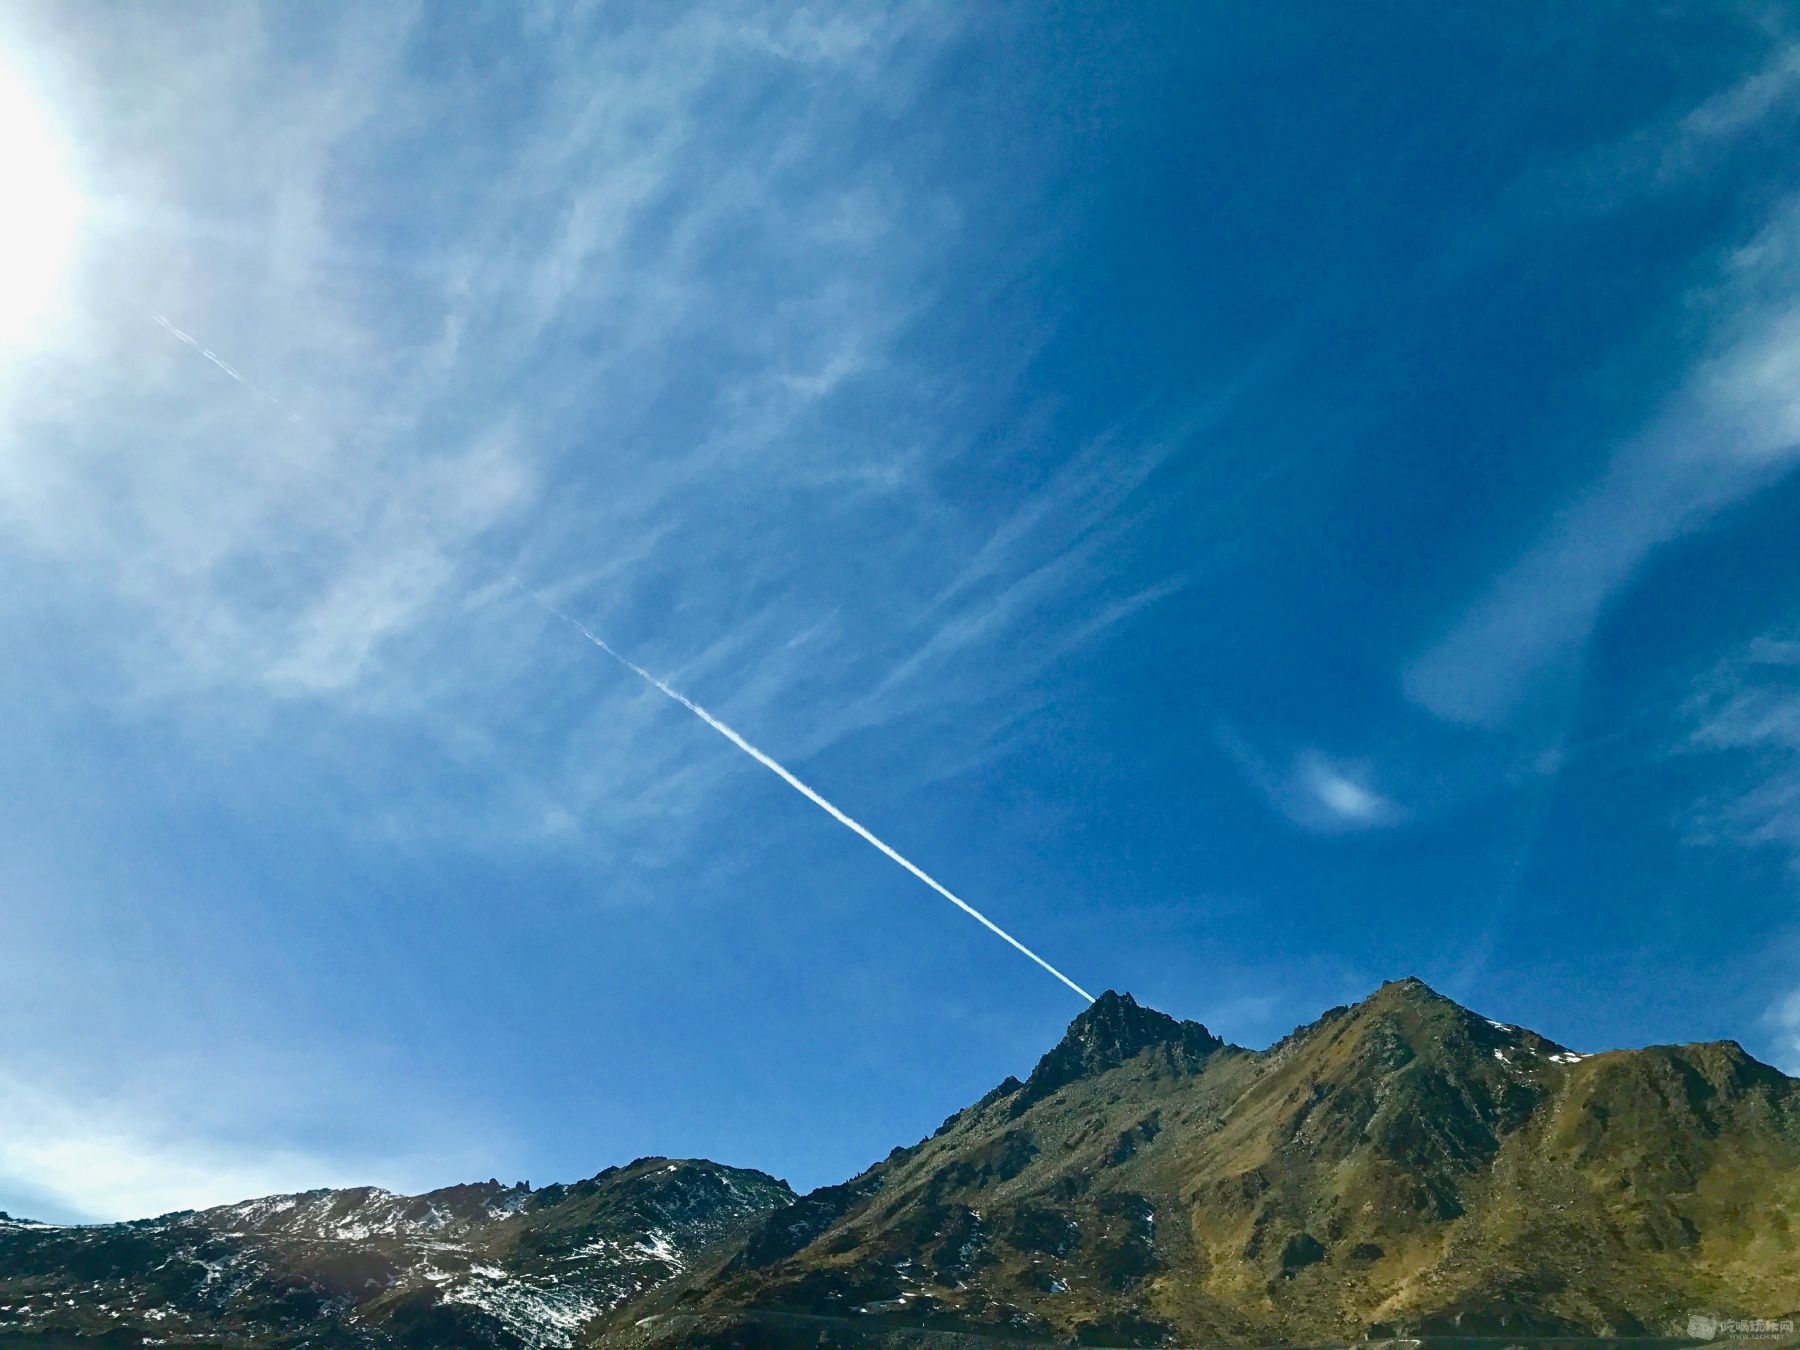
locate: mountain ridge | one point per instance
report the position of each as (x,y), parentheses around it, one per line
(1398,1165)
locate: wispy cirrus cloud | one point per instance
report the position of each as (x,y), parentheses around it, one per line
(1318,792)
(652,359)
(1732,429)
(1745,716)
(1729,429)
(1678,151)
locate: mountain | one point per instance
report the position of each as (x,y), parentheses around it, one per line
(1401,1167)
(478,1265)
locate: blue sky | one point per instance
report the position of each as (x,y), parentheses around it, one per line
(1260,500)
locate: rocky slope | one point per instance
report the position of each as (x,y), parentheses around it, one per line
(1401,1166)
(479,1265)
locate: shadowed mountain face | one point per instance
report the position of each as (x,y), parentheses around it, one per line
(1400,1166)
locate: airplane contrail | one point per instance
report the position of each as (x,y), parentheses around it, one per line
(855,827)
(222,364)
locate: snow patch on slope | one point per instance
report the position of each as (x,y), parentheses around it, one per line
(536,1311)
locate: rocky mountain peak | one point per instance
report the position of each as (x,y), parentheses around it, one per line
(1113,1029)
(1118,1023)
(1411,991)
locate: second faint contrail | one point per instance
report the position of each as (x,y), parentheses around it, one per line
(775,768)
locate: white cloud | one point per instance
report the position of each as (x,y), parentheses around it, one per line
(1318,792)
(1733,429)
(1341,796)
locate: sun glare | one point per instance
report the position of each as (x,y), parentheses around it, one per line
(40,211)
